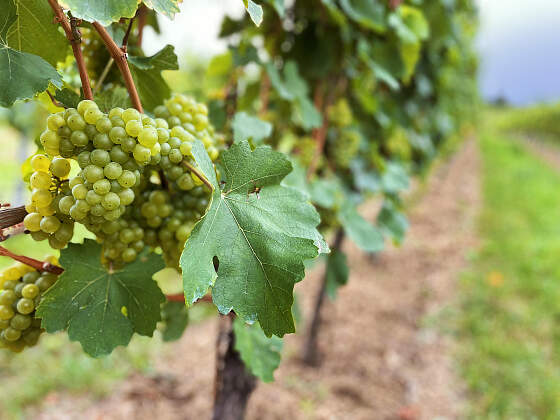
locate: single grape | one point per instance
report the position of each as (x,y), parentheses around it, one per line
(99,157)
(130,114)
(113,170)
(30,291)
(60,167)
(40,163)
(111,201)
(50,224)
(79,192)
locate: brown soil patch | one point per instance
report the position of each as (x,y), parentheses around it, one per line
(379,360)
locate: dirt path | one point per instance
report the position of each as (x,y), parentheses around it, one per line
(380,362)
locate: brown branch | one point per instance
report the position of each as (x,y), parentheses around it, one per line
(320,134)
(142,15)
(36,264)
(73,35)
(264,94)
(11,216)
(163,180)
(180,297)
(198,174)
(12,231)
(121,59)
(124,46)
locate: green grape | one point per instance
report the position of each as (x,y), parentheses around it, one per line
(148,137)
(117,134)
(141,154)
(40,163)
(100,157)
(130,114)
(92,173)
(40,180)
(92,197)
(111,201)
(30,277)
(21,322)
(7,297)
(128,144)
(65,204)
(30,291)
(82,206)
(11,334)
(116,112)
(41,198)
(6,312)
(50,224)
(103,125)
(80,191)
(25,306)
(175,156)
(102,141)
(32,222)
(92,115)
(113,170)
(133,128)
(84,105)
(60,167)
(126,196)
(102,187)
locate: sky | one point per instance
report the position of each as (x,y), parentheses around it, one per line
(518,43)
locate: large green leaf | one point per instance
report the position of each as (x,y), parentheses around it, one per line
(22,75)
(166,7)
(292,87)
(247,127)
(8,15)
(367,13)
(395,178)
(365,235)
(337,272)
(260,239)
(175,317)
(103,11)
(146,72)
(255,11)
(260,354)
(35,31)
(393,222)
(100,308)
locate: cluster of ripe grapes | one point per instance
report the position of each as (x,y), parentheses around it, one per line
(21,288)
(131,182)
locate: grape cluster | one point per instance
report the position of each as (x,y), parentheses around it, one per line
(125,159)
(49,186)
(344,147)
(21,288)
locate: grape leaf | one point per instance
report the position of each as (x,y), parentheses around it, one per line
(367,13)
(260,239)
(112,98)
(8,15)
(103,11)
(395,178)
(292,87)
(260,354)
(279,6)
(146,72)
(255,11)
(102,309)
(166,7)
(392,222)
(337,272)
(68,97)
(22,75)
(247,127)
(365,235)
(35,31)
(176,318)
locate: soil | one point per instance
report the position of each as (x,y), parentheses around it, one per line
(381,360)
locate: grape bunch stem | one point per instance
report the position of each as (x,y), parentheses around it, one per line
(36,264)
(76,48)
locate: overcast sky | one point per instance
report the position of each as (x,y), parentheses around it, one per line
(519,43)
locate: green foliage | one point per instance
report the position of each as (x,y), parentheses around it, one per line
(33,31)
(246,127)
(260,239)
(337,272)
(146,72)
(22,75)
(392,222)
(260,354)
(175,317)
(115,97)
(507,324)
(100,308)
(365,235)
(254,10)
(103,11)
